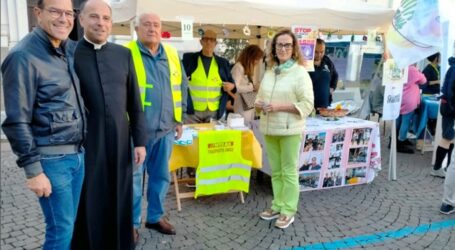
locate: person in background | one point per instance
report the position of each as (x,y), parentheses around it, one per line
(209,81)
(431,72)
(448,199)
(410,102)
(447,110)
(285,99)
(164,105)
(431,87)
(45,119)
(243,74)
(114,117)
(324,77)
(314,164)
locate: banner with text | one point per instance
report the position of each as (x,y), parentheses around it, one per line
(306,37)
(415,32)
(393,78)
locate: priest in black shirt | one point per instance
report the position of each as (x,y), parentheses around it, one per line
(114,115)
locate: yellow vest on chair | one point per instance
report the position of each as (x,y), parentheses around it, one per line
(221,166)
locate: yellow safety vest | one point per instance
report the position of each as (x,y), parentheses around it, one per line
(221,166)
(175,76)
(205,90)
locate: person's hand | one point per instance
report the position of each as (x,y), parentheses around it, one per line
(255,87)
(228,86)
(331,91)
(179,130)
(40,185)
(259,105)
(232,95)
(139,155)
(271,107)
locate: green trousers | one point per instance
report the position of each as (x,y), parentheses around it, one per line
(283,155)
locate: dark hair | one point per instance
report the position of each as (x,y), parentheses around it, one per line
(320,41)
(433,57)
(40,4)
(248,57)
(296,54)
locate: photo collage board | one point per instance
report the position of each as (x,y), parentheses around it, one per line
(334,158)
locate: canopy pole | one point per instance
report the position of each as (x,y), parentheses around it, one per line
(393,153)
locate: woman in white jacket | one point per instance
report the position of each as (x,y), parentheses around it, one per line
(243,74)
(285,99)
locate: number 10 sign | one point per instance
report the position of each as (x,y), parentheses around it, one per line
(187,29)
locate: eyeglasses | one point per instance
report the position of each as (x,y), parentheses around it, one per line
(286,46)
(56,13)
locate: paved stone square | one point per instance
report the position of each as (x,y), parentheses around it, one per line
(402,214)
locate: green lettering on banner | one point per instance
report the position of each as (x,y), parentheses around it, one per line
(404,13)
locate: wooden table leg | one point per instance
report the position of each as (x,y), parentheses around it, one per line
(177,192)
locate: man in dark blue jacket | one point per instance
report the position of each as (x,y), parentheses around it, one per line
(45,120)
(447,110)
(324,77)
(448,199)
(209,81)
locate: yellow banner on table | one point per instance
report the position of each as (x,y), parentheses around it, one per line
(221,166)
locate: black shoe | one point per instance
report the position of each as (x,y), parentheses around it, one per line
(408,142)
(447,209)
(403,148)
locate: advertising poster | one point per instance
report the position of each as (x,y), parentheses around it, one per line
(306,37)
(338,54)
(392,102)
(335,153)
(393,74)
(335,157)
(370,62)
(393,78)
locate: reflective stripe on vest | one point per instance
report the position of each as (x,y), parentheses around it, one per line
(140,71)
(221,166)
(175,76)
(205,90)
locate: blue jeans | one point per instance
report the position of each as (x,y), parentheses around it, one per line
(157,166)
(66,174)
(403,124)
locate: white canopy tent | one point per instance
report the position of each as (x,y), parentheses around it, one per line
(352,15)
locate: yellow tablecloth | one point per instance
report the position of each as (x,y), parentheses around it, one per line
(188,156)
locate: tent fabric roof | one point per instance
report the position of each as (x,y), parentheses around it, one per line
(325,14)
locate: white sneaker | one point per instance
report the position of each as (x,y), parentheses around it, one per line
(269,214)
(438,173)
(284,221)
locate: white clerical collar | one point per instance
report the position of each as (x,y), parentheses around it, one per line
(96,46)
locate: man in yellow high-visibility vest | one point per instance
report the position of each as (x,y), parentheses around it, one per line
(163,85)
(209,81)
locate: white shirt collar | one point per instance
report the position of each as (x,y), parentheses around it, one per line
(96,46)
